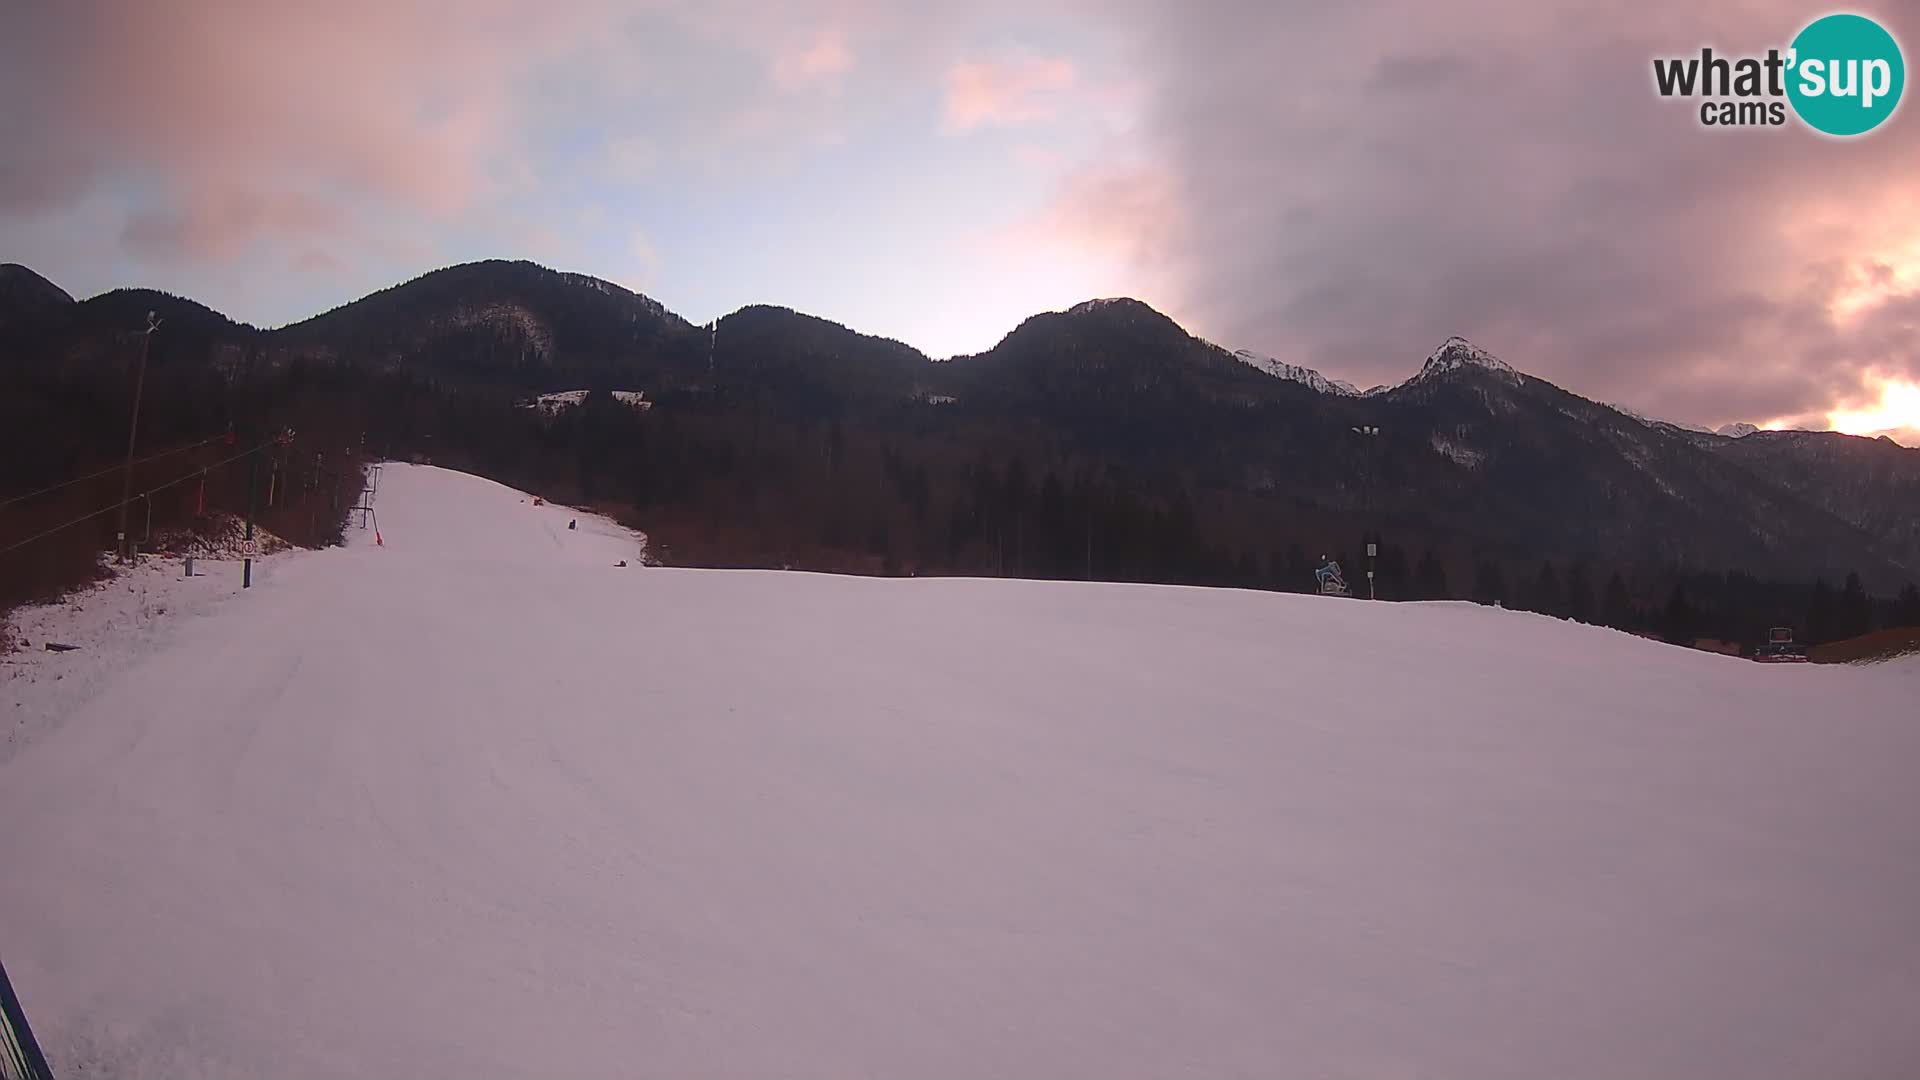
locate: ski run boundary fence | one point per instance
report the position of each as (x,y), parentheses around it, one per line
(20,1057)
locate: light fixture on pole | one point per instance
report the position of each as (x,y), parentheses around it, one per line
(1372,434)
(133,433)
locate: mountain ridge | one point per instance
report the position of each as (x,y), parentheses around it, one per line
(1454,353)
(1473,452)
(26,294)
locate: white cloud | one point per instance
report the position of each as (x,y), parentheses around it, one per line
(822,60)
(1005,92)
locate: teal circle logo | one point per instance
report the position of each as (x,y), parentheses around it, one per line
(1845,75)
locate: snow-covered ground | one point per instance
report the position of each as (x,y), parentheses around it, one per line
(111,625)
(480,803)
(561,400)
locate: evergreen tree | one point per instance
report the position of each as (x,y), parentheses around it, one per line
(1680,620)
(1018,495)
(1489,584)
(1905,612)
(1616,605)
(1395,578)
(836,447)
(1055,540)
(1579,594)
(1246,571)
(1546,597)
(1298,574)
(1822,616)
(1854,614)
(1430,578)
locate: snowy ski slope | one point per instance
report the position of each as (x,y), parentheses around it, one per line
(479,803)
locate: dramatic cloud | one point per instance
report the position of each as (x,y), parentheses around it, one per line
(1359,181)
(215,225)
(1342,185)
(1893,409)
(822,59)
(1002,92)
(262,119)
(1122,214)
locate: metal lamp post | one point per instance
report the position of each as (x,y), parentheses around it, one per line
(1371,432)
(133,434)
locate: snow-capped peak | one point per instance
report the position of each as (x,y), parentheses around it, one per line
(1102,303)
(1305,376)
(1737,431)
(1457,352)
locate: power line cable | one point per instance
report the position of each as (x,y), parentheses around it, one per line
(117,505)
(4,503)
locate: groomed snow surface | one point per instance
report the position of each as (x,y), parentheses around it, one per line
(479,803)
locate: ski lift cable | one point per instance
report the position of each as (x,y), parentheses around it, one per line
(132,498)
(4,503)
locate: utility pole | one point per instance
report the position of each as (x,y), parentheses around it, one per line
(133,433)
(1089,537)
(246,550)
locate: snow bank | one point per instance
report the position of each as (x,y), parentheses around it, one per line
(112,624)
(477,802)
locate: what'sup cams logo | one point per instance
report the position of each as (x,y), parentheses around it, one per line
(1842,76)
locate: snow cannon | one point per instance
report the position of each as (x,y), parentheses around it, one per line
(1330,580)
(1781,648)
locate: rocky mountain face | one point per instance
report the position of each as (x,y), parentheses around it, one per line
(1467,446)
(1305,376)
(1552,465)
(1873,484)
(1471,453)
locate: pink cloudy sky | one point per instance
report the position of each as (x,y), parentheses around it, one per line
(1340,185)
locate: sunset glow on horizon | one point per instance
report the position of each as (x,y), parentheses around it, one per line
(1897,414)
(936,175)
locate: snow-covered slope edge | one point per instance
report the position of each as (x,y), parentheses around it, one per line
(110,626)
(1453,354)
(121,620)
(1305,376)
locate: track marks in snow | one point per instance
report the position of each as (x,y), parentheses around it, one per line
(740,824)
